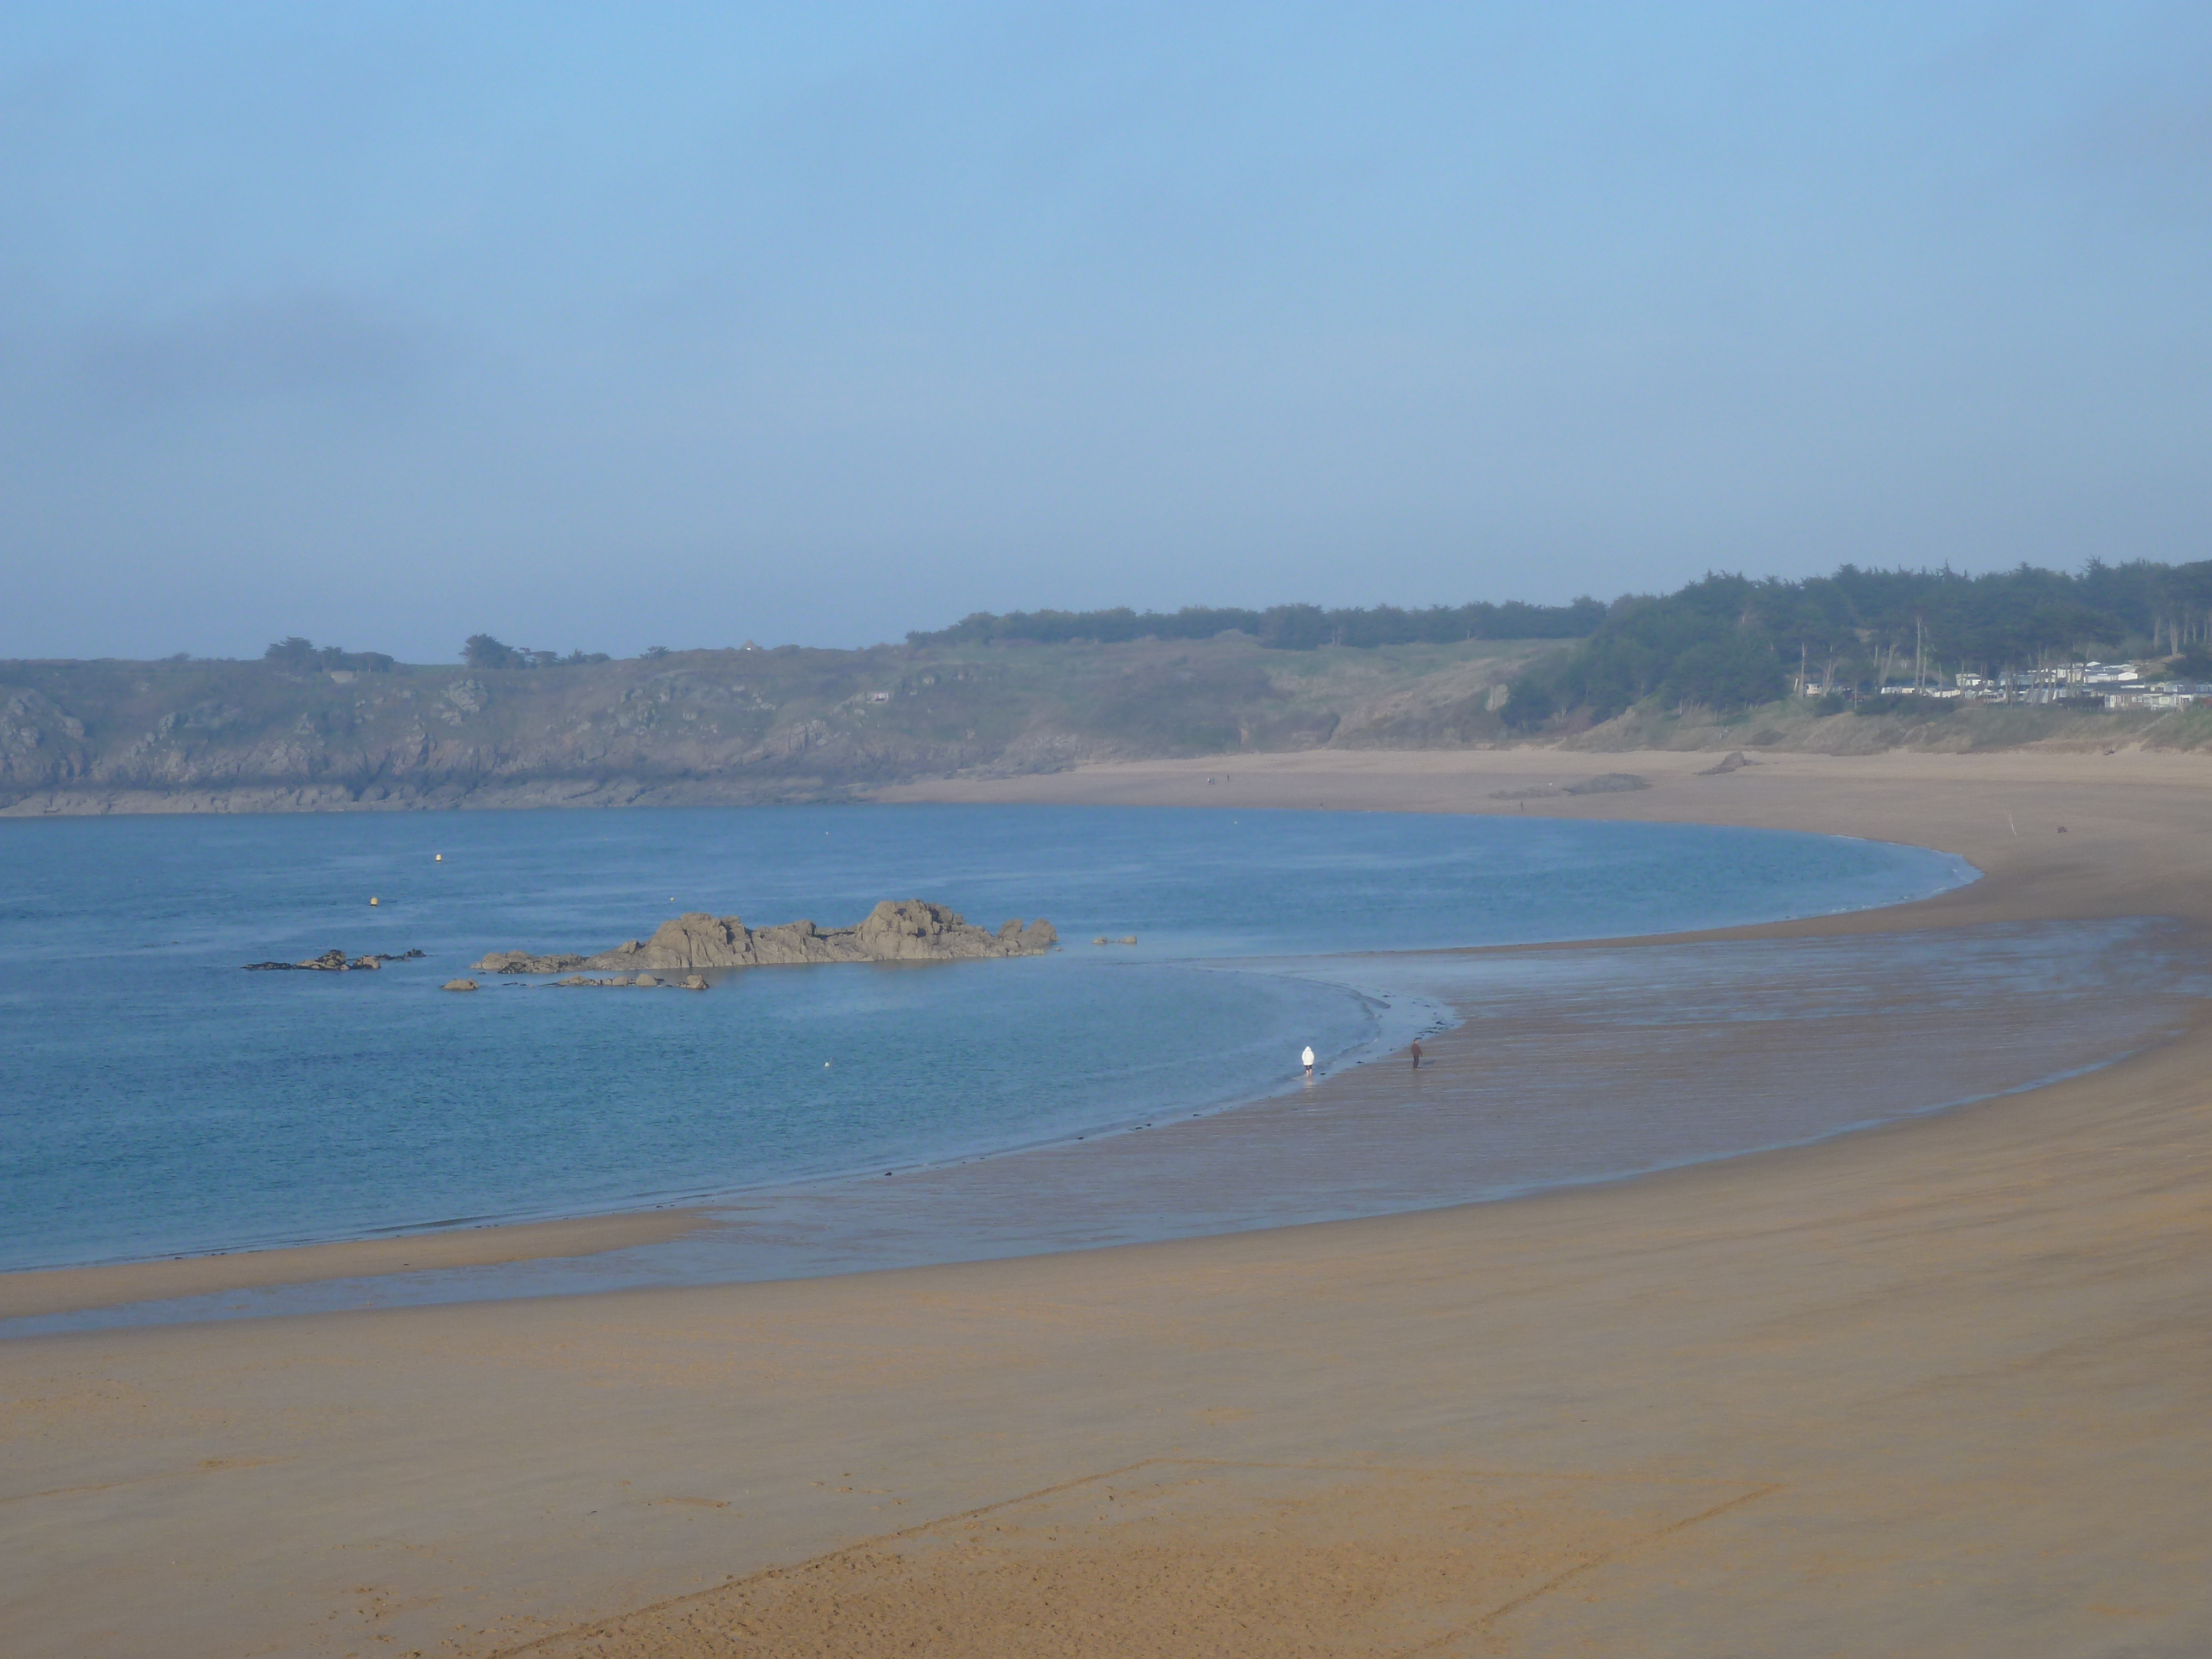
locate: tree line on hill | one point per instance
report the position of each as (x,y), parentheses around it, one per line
(1283,627)
(305,656)
(482,651)
(1730,642)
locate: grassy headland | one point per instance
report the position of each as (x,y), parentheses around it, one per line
(1725,662)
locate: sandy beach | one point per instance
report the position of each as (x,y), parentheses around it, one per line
(1932,1389)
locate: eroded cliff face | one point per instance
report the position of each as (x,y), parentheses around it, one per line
(41,745)
(901,930)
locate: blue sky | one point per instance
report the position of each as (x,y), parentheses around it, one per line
(610,326)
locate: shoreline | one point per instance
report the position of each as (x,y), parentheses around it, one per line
(45,1291)
(1937,1383)
(389,1258)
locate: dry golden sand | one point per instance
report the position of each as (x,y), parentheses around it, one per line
(1938,1388)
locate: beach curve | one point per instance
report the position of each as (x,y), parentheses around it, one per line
(1890,1363)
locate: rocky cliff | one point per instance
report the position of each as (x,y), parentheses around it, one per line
(909,930)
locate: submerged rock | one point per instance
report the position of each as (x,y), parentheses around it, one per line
(460,985)
(646,981)
(907,929)
(521,961)
(331,962)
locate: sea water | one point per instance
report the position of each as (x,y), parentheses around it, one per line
(155,1100)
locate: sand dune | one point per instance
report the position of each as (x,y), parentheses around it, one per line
(1936,1388)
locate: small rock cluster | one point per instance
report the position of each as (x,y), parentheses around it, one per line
(331,962)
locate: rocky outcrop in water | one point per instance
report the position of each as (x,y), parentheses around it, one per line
(904,930)
(331,962)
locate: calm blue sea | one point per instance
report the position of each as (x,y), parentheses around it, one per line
(155,1100)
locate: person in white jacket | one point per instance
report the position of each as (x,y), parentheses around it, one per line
(1308,1057)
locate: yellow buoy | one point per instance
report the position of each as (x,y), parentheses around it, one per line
(372,901)
(437,858)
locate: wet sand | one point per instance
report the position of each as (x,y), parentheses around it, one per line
(58,1290)
(1936,1388)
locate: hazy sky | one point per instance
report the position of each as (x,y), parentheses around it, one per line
(610,326)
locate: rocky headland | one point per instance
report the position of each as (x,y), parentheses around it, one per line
(699,727)
(897,930)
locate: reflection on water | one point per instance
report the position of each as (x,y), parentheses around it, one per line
(1564,1067)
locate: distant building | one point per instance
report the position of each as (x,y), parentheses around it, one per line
(2166,694)
(2046,685)
(2106,674)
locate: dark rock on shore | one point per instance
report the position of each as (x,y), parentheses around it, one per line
(1606,783)
(909,930)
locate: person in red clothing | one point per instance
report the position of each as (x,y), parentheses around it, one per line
(1417,1054)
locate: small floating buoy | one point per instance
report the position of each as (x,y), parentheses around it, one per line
(825,1065)
(372,899)
(437,858)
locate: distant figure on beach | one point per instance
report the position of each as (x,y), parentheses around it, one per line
(1308,1057)
(1417,1054)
